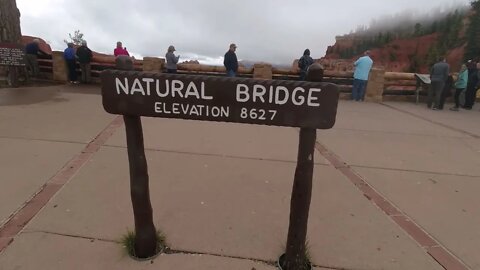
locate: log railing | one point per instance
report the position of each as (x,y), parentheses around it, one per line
(395,83)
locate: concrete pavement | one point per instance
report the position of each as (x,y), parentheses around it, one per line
(221,192)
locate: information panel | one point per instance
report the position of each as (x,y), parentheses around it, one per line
(11,55)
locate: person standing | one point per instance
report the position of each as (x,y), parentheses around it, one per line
(438,77)
(120,50)
(69,56)
(84,56)
(472,84)
(304,62)
(32,50)
(460,86)
(172,60)
(360,77)
(230,61)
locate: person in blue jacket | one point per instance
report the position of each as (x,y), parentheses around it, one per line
(32,51)
(70,58)
(360,77)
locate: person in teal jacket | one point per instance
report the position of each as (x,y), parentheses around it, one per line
(360,76)
(460,86)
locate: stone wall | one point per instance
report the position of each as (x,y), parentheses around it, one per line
(375,86)
(153,64)
(262,71)
(59,67)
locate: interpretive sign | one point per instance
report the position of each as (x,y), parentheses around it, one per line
(238,100)
(424,78)
(11,54)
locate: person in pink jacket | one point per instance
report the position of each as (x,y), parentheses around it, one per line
(120,50)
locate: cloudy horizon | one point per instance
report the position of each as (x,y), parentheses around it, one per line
(264,30)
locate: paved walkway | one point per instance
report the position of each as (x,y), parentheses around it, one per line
(395,187)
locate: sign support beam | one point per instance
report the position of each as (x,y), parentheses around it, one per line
(145,232)
(300,200)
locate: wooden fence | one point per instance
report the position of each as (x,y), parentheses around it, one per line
(396,84)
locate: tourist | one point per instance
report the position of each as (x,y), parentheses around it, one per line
(69,56)
(32,50)
(438,77)
(460,86)
(230,61)
(84,56)
(119,50)
(472,84)
(360,77)
(304,62)
(172,60)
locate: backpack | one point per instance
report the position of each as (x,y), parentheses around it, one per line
(302,63)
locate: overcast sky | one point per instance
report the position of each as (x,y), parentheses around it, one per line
(275,31)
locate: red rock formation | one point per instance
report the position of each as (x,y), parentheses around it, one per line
(395,56)
(43,45)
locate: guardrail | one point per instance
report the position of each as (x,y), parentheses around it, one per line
(395,84)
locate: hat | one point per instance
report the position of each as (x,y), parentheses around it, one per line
(171,48)
(233,45)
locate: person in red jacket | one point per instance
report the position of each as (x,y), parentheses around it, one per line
(119,50)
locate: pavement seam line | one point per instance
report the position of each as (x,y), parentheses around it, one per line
(438,252)
(17,222)
(432,122)
(414,171)
(170,251)
(402,133)
(214,155)
(41,140)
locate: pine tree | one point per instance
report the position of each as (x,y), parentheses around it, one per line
(418,30)
(473,33)
(76,38)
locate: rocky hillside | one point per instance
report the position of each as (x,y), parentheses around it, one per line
(411,45)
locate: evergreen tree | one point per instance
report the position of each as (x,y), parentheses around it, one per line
(434,27)
(418,30)
(473,33)
(76,38)
(432,56)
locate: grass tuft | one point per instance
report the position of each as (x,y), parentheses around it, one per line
(128,242)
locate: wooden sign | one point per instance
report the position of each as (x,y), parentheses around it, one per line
(208,98)
(11,54)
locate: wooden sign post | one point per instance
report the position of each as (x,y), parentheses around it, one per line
(301,192)
(309,105)
(145,233)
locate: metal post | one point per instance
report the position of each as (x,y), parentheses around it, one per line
(145,232)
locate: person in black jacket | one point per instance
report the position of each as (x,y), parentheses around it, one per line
(230,61)
(304,62)
(472,84)
(438,75)
(84,56)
